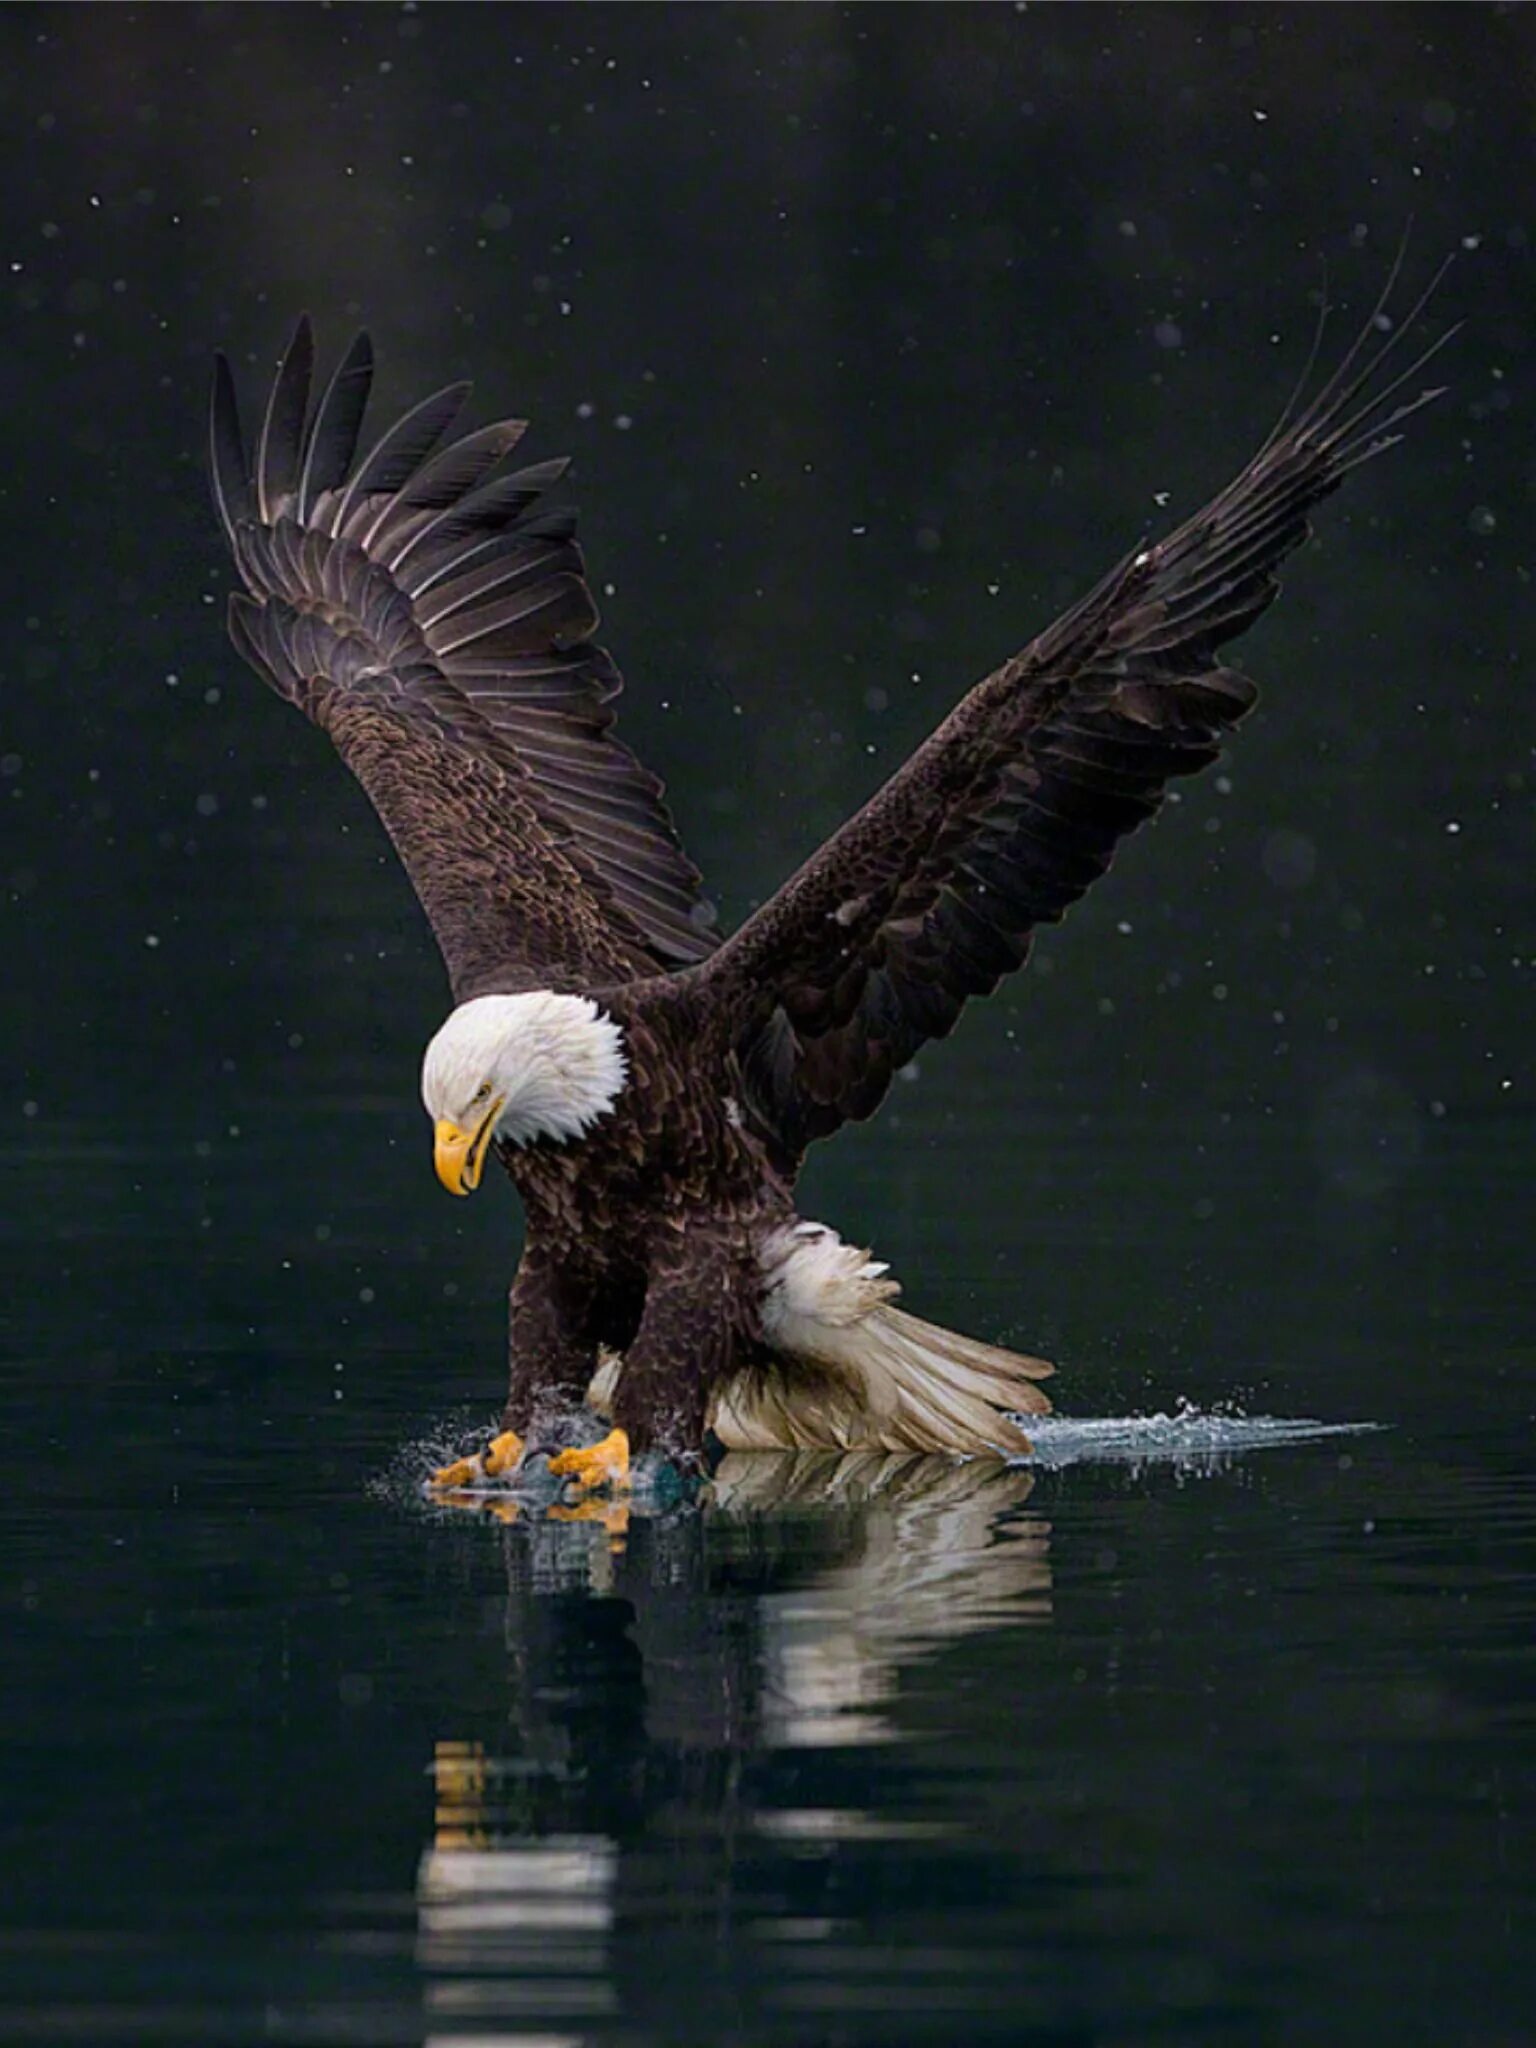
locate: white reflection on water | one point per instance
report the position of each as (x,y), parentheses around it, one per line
(507,1928)
(933,1563)
(653,1664)
(666,1665)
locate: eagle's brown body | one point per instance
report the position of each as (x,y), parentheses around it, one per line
(645,1238)
(432,615)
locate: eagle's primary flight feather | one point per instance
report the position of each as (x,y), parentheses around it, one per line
(650,1088)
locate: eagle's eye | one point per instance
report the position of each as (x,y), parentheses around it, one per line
(482,1093)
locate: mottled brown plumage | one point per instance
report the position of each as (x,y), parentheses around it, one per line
(430,612)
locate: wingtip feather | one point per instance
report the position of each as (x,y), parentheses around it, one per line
(282,428)
(229,473)
(331,444)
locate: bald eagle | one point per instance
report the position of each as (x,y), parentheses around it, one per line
(651,1087)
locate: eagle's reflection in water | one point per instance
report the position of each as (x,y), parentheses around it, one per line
(690,1692)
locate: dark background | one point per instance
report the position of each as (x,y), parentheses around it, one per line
(876,334)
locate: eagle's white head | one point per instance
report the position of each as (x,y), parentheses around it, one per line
(521,1067)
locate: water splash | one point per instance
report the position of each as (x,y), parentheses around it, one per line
(657,1486)
(1188,1440)
(1192,1439)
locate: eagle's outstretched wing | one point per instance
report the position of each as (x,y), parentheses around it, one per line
(1016,803)
(431,613)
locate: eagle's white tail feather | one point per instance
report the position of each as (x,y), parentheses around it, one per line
(895,1384)
(852,1373)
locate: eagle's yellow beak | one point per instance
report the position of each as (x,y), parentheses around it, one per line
(459,1155)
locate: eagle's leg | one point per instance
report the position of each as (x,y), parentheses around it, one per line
(551,1341)
(552,1355)
(682,1349)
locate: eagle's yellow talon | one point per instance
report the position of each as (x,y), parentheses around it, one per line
(460,1473)
(502,1453)
(604,1464)
(499,1455)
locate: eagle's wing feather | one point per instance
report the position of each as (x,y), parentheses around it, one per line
(1017,802)
(432,615)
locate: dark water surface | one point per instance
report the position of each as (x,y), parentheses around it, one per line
(1151,1743)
